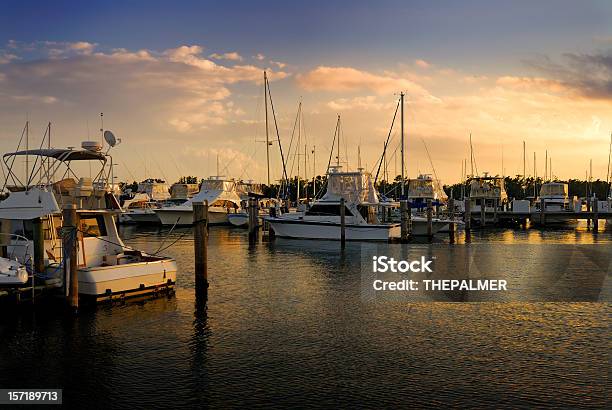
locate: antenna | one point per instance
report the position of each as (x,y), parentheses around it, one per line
(102,123)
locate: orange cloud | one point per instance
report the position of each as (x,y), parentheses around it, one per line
(343,79)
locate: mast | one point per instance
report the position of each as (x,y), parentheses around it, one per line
(471,155)
(305,173)
(218,166)
(546,167)
(267,131)
(338,150)
(27,159)
(535,176)
(314,173)
(402,131)
(608,174)
(297,150)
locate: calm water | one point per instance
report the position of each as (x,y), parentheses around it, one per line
(287,324)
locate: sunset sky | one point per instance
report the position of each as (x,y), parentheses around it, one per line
(181,82)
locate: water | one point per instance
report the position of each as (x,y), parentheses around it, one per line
(286,324)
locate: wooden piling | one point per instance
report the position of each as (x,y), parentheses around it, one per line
(252,212)
(595,214)
(39,245)
(403,220)
(467,214)
(69,244)
(588,206)
(200,242)
(342,223)
(451,215)
(483,212)
(542,212)
(5,237)
(429,219)
(495,206)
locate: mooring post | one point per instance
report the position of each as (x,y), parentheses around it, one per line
(467,214)
(342,223)
(588,208)
(5,237)
(404,220)
(495,205)
(429,219)
(252,212)
(200,243)
(39,245)
(595,214)
(542,212)
(483,212)
(451,215)
(271,233)
(69,244)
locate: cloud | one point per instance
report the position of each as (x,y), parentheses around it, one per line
(233,56)
(588,75)
(344,79)
(259,57)
(6,58)
(278,64)
(422,63)
(178,88)
(369,102)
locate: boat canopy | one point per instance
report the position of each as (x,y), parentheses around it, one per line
(61,154)
(554,189)
(216,189)
(354,187)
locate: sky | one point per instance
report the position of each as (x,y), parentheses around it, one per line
(181,83)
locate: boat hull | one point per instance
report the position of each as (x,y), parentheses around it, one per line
(104,282)
(184,217)
(144,218)
(331,231)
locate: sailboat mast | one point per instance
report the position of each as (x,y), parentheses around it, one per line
(535,176)
(338,150)
(546,166)
(402,132)
(297,150)
(27,159)
(314,173)
(267,130)
(471,156)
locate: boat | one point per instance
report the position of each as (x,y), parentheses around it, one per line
(106,267)
(555,199)
(181,191)
(222,198)
(322,219)
(424,188)
(487,196)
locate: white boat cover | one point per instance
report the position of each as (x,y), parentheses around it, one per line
(30,204)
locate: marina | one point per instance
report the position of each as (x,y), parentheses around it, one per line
(212,205)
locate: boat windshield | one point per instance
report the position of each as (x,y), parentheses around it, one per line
(554,190)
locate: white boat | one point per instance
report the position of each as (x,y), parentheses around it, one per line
(222,200)
(322,220)
(425,188)
(107,268)
(554,196)
(486,192)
